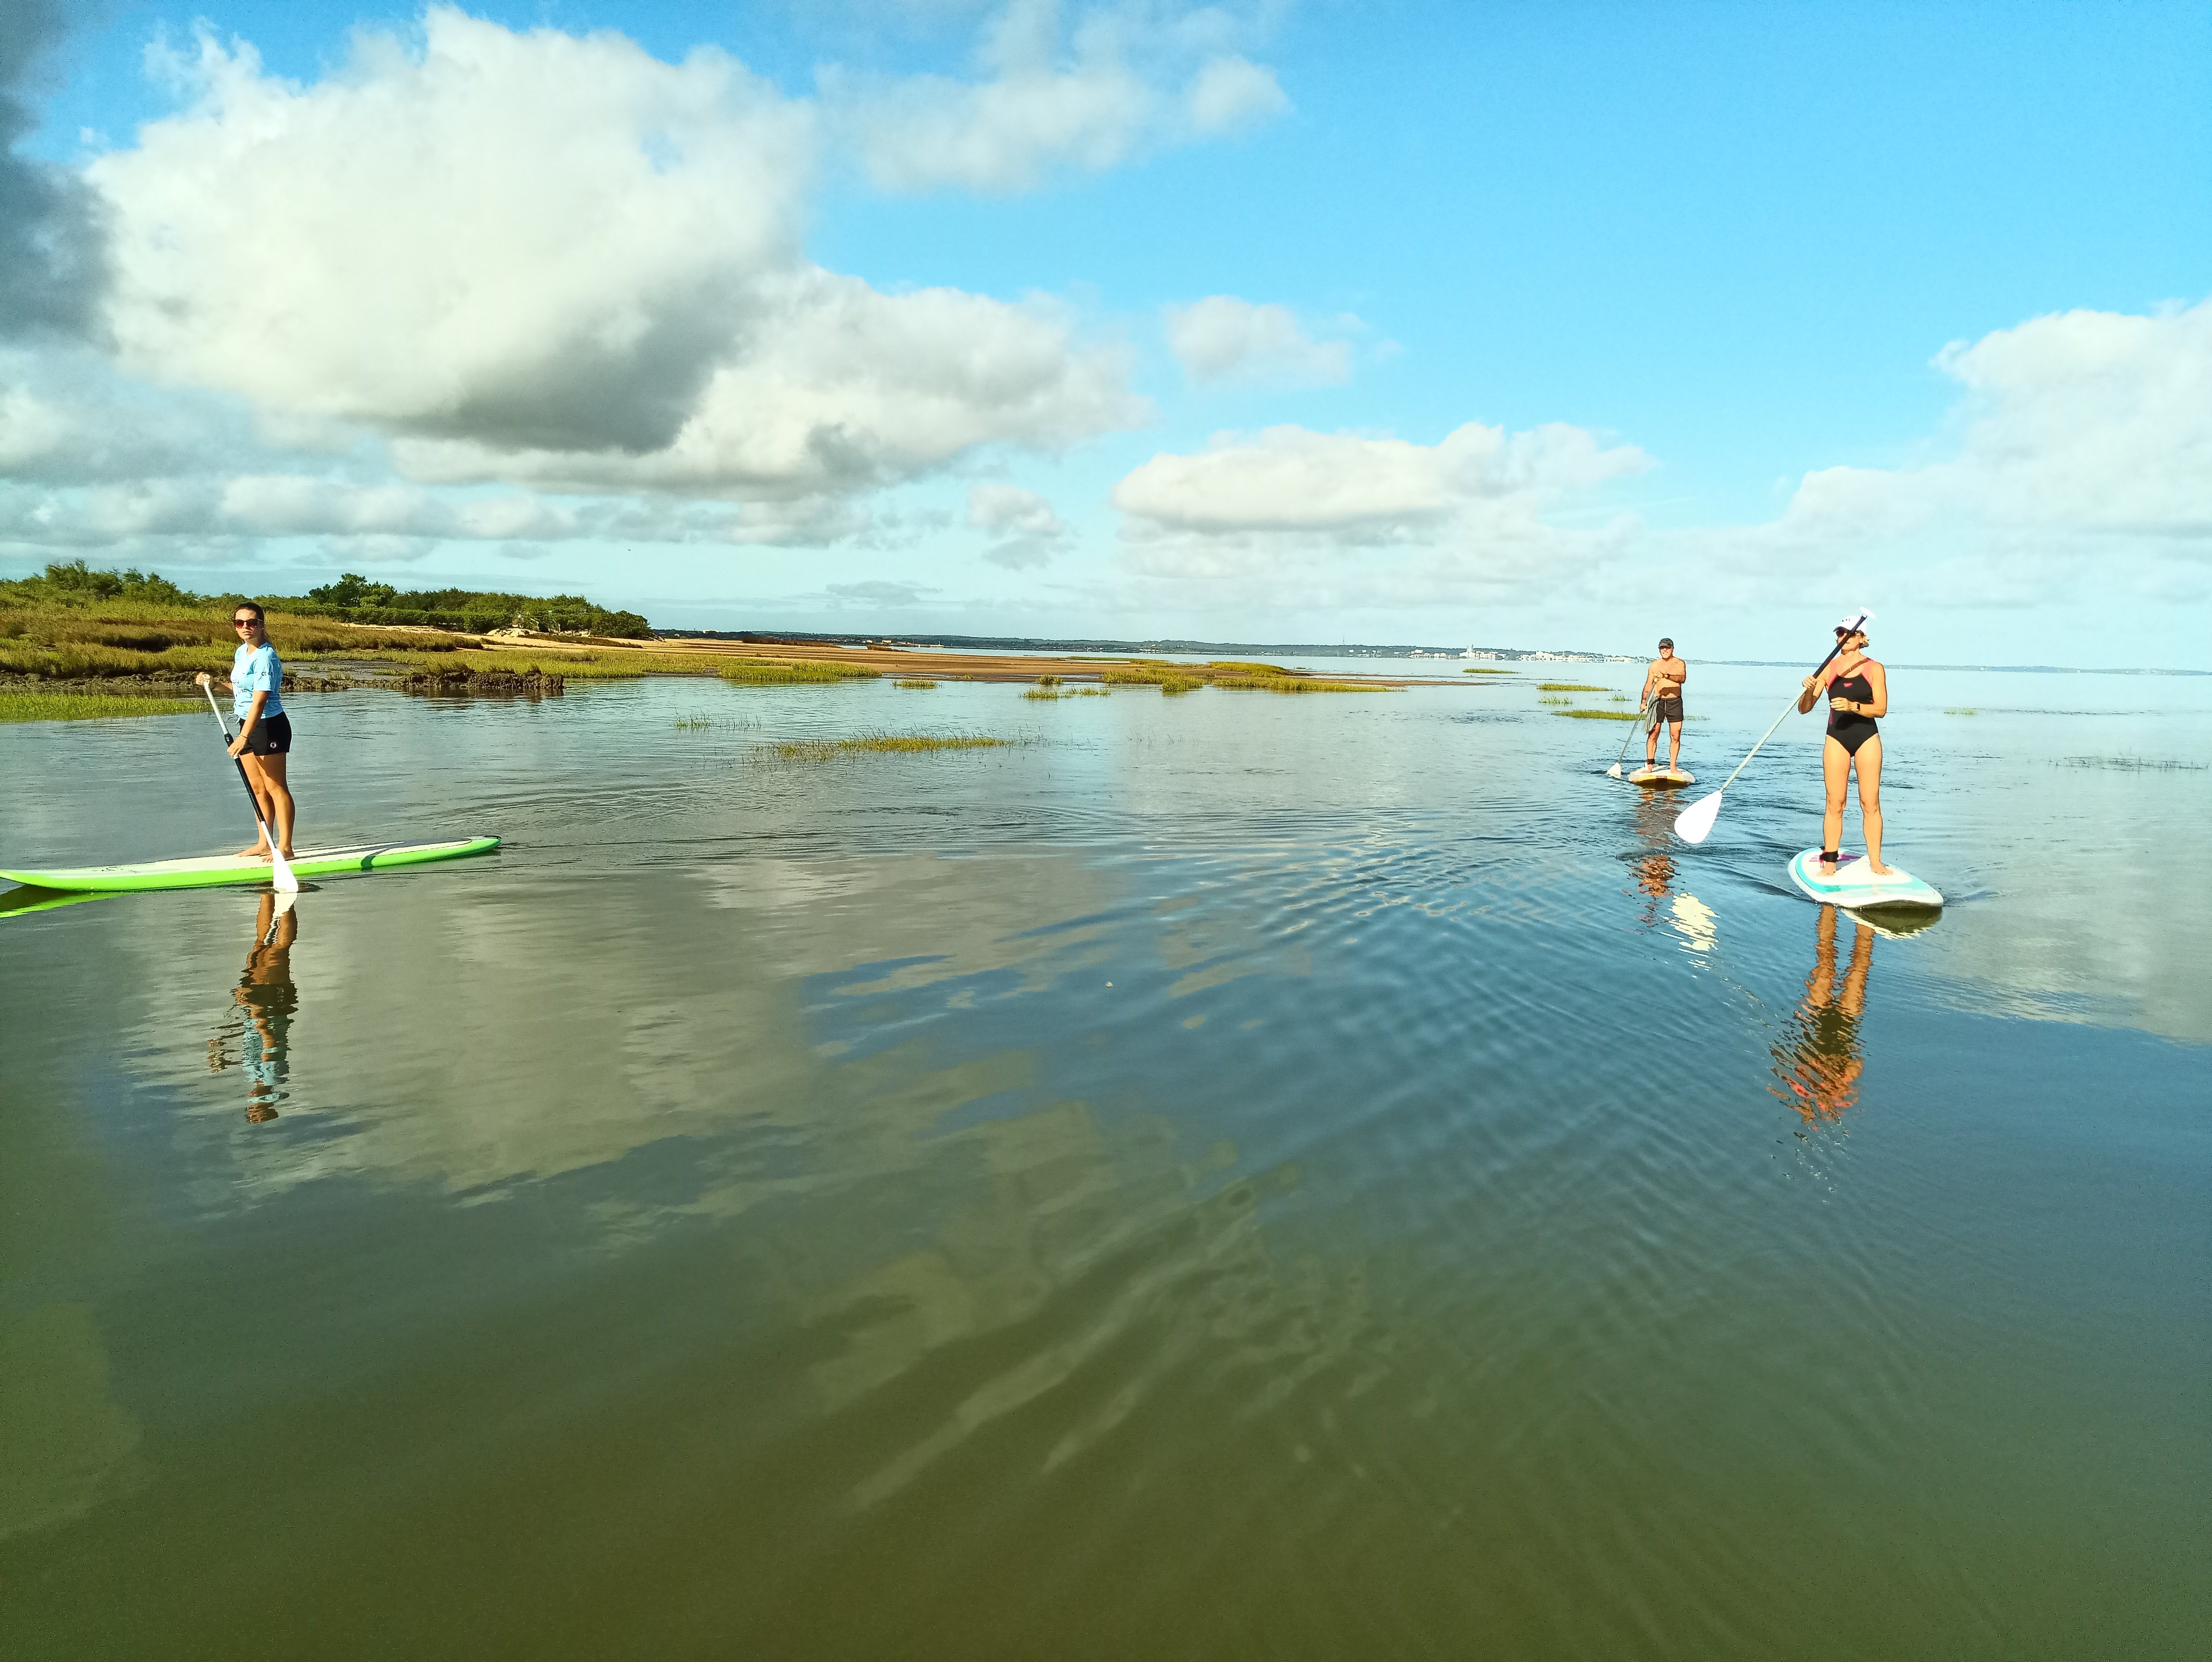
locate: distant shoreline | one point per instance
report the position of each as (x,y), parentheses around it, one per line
(1050,644)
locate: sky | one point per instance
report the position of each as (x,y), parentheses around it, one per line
(1557,325)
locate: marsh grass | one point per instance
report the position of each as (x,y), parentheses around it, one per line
(699,722)
(1086,692)
(1489,671)
(88,707)
(1962,712)
(1569,687)
(787,672)
(1171,680)
(1229,674)
(1291,683)
(2134,764)
(830,749)
(1049,681)
(1041,693)
(126,639)
(1593,715)
(1555,701)
(917,684)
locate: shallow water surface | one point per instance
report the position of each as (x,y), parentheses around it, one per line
(1226,1175)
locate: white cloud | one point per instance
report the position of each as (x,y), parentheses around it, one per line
(1223,339)
(522,238)
(2077,425)
(1008,508)
(1038,107)
(1230,93)
(1289,479)
(878,592)
(851,389)
(1030,532)
(556,260)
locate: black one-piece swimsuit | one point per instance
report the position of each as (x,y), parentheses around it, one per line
(1847,727)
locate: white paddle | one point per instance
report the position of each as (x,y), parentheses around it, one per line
(1613,772)
(1695,822)
(280,870)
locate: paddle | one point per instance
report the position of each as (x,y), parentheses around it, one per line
(1613,772)
(1695,822)
(280,870)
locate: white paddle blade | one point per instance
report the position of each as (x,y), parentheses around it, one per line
(1613,772)
(280,873)
(1695,822)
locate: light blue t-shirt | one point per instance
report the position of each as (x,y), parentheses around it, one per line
(256,669)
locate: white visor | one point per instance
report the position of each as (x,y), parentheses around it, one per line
(1856,621)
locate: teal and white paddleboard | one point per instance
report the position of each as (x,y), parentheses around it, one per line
(215,871)
(1852,885)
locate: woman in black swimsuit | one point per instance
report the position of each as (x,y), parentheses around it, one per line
(1858,691)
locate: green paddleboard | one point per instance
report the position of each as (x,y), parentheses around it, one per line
(215,871)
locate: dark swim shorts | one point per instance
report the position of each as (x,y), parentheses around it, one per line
(271,735)
(1669,709)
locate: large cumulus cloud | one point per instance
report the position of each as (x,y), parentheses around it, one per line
(562,251)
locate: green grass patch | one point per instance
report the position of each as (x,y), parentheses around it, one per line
(1569,687)
(1962,712)
(1041,693)
(1489,671)
(1086,692)
(829,749)
(1595,715)
(917,684)
(1555,701)
(1170,679)
(1047,681)
(87,706)
(788,672)
(1232,677)
(1290,683)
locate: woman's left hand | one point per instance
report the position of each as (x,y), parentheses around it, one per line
(237,747)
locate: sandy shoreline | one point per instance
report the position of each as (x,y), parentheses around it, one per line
(901,662)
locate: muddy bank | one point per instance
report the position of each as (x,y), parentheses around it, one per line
(460,681)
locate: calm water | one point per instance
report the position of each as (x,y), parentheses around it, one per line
(1232,1176)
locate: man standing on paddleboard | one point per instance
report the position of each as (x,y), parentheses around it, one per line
(1858,691)
(264,731)
(1663,695)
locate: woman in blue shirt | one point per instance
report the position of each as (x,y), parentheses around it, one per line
(264,731)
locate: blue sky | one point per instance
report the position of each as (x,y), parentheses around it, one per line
(1531,324)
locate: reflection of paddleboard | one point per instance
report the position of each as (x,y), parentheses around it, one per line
(213,870)
(1661,776)
(18,902)
(1852,884)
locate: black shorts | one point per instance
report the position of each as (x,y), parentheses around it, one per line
(1669,709)
(271,735)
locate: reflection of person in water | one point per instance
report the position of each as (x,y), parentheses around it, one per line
(1818,1064)
(266,998)
(1654,872)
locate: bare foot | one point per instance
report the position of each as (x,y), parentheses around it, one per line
(1880,869)
(256,853)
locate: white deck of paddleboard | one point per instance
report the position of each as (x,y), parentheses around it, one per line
(1853,883)
(1662,776)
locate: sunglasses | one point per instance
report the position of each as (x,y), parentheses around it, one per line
(243,623)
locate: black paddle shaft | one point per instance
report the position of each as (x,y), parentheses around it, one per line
(223,727)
